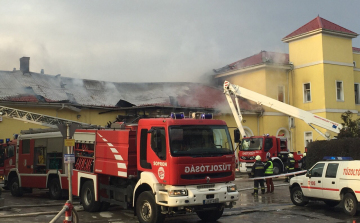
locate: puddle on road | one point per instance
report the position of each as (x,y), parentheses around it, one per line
(106,214)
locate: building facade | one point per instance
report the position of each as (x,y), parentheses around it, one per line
(320,75)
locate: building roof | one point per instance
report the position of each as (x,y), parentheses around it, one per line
(263,57)
(355,49)
(37,88)
(319,23)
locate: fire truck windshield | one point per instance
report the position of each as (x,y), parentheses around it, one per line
(200,141)
(251,144)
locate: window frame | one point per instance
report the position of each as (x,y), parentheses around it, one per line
(305,137)
(327,168)
(342,90)
(282,87)
(304,94)
(358,93)
(323,167)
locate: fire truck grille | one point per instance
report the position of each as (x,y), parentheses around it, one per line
(204,175)
(205,186)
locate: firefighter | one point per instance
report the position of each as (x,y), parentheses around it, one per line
(258,170)
(290,166)
(269,170)
(303,162)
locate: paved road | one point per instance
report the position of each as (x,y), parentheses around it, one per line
(275,207)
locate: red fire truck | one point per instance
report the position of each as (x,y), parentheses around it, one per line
(264,146)
(267,145)
(159,166)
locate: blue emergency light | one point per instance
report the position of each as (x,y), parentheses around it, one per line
(1,141)
(206,116)
(7,140)
(177,115)
(337,158)
(16,136)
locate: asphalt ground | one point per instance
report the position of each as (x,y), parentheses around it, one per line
(274,207)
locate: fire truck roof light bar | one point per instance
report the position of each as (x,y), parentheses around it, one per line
(206,116)
(177,115)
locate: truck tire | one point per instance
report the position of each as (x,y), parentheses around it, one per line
(211,215)
(331,203)
(15,188)
(55,191)
(297,197)
(350,204)
(277,168)
(88,197)
(147,210)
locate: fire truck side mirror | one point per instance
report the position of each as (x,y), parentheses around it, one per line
(236,136)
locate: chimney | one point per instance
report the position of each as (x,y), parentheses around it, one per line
(42,71)
(25,64)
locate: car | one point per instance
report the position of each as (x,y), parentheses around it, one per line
(333,181)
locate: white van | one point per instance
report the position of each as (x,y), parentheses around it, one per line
(331,181)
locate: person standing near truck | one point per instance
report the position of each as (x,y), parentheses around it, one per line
(269,170)
(303,162)
(290,166)
(258,170)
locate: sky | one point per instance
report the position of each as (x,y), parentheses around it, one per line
(153,41)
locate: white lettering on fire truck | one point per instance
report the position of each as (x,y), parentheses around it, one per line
(98,170)
(207,168)
(156,163)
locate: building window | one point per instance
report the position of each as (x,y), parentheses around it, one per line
(281,93)
(356,91)
(308,138)
(307,92)
(339,91)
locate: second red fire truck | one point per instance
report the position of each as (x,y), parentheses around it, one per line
(159,166)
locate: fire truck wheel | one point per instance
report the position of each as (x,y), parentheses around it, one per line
(297,197)
(15,188)
(350,204)
(277,168)
(88,197)
(147,210)
(210,215)
(55,189)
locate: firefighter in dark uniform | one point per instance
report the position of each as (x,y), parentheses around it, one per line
(303,162)
(258,170)
(269,170)
(290,166)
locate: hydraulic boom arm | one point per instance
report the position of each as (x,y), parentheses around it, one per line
(307,117)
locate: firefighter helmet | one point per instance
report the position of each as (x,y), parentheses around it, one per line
(258,158)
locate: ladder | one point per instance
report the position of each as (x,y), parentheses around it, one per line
(31,117)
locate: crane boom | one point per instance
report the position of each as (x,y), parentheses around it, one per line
(44,120)
(306,116)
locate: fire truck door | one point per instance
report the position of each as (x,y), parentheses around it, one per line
(26,154)
(157,154)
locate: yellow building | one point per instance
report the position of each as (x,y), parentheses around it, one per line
(318,75)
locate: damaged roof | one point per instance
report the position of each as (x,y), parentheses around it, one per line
(263,57)
(40,88)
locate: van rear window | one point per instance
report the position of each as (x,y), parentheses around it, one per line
(331,170)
